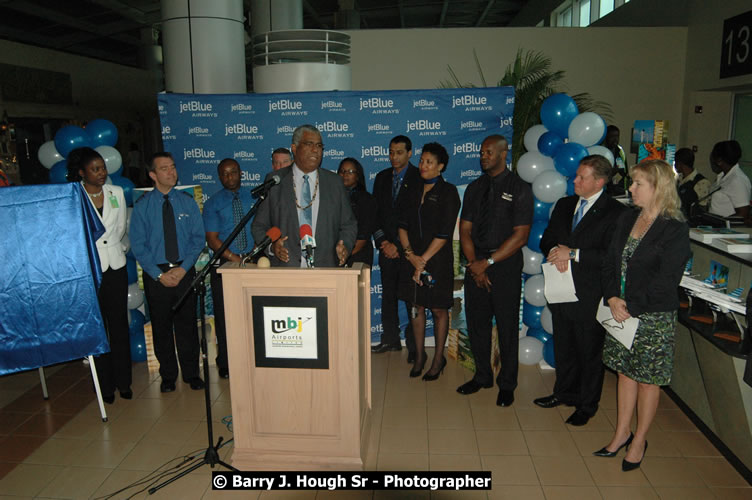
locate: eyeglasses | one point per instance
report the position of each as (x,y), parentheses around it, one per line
(343,172)
(315,145)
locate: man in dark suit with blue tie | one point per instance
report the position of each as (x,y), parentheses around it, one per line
(578,234)
(308,195)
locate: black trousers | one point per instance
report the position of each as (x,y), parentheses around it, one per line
(502,302)
(390,269)
(114,367)
(578,350)
(183,322)
(218,298)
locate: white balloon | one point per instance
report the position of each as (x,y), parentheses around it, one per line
(135,296)
(587,129)
(533,163)
(549,186)
(530,140)
(534,291)
(531,261)
(531,350)
(109,180)
(48,154)
(603,151)
(112,158)
(547,321)
(129,212)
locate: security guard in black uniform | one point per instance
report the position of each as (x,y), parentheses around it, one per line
(497,213)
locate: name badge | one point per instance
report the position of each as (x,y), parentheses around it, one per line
(506,196)
(114,202)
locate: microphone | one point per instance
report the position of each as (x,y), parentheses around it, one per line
(307,243)
(272,235)
(264,188)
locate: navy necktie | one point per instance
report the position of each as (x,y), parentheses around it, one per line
(170,232)
(237,216)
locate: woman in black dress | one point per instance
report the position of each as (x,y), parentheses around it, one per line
(363,206)
(426,227)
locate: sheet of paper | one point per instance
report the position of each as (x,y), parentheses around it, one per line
(623,332)
(559,286)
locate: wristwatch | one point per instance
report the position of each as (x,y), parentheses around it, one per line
(572,253)
(490,261)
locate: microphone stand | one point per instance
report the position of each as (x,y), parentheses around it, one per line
(211,457)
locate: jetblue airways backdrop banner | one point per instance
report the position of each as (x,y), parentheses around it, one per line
(201,130)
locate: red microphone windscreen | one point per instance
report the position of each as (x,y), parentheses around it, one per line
(305,230)
(274,233)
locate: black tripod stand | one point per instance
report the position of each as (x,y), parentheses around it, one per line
(211,457)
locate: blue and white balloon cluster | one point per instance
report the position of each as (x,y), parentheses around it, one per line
(102,135)
(554,151)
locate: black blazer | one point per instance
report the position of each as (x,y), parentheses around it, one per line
(388,214)
(592,237)
(655,269)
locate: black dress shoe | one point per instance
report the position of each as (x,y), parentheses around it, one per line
(126,394)
(549,401)
(382,347)
(167,386)
(108,398)
(603,452)
(578,418)
(505,398)
(627,466)
(472,387)
(411,357)
(223,372)
(196,383)
(431,377)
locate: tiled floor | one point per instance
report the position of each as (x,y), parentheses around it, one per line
(61,448)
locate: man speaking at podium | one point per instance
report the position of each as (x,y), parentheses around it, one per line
(307,195)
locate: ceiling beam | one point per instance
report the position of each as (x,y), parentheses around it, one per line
(444,9)
(401,14)
(315,15)
(140,16)
(485,13)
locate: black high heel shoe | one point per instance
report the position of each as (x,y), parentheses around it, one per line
(415,372)
(603,452)
(428,378)
(627,466)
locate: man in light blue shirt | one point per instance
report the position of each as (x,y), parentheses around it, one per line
(222,212)
(167,236)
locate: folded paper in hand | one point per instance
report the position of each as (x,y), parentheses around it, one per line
(559,287)
(624,332)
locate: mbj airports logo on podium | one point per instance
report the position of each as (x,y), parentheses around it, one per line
(290,332)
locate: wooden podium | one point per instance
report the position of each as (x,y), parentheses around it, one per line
(299,404)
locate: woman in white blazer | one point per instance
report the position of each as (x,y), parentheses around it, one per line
(113,368)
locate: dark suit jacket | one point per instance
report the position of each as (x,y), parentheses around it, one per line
(592,237)
(335,220)
(387,215)
(655,269)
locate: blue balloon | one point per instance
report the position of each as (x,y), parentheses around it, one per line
(127,186)
(531,315)
(137,338)
(539,333)
(548,353)
(549,143)
(536,233)
(58,172)
(69,138)
(102,132)
(557,112)
(541,210)
(130,266)
(570,186)
(568,158)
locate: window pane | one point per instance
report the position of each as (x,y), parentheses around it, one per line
(606,7)
(565,17)
(584,13)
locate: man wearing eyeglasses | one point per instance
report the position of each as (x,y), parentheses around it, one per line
(308,195)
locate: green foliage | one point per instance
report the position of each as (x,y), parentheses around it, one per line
(533,79)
